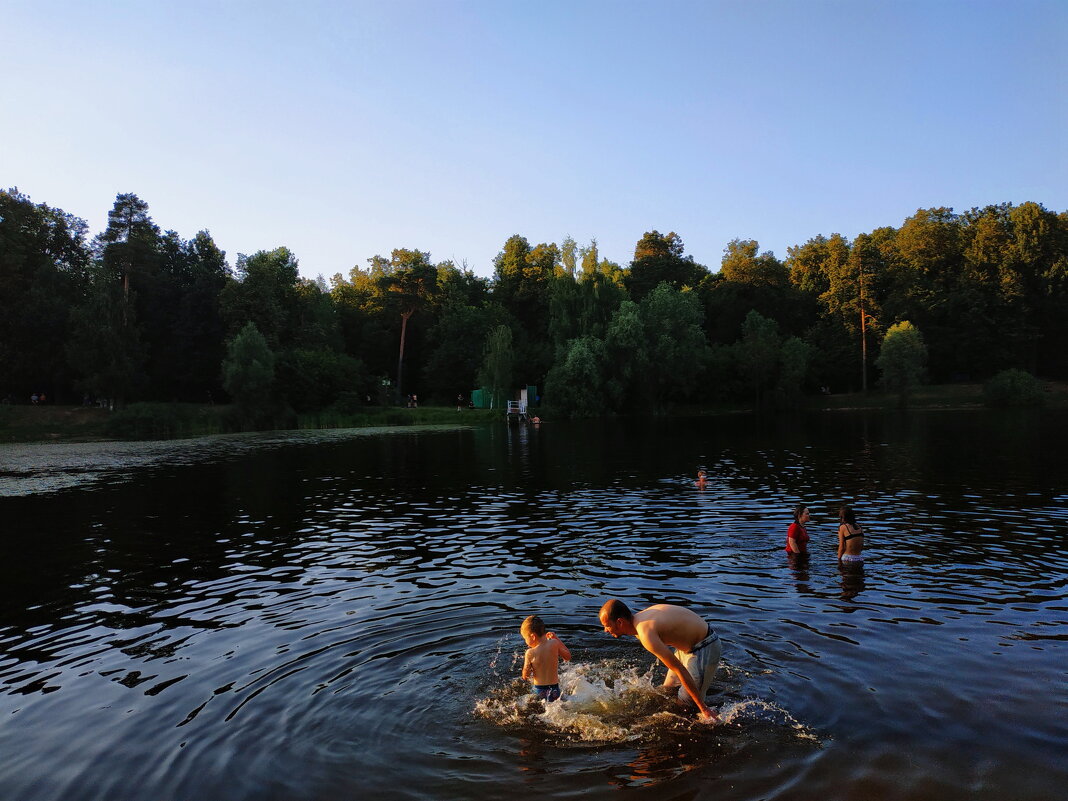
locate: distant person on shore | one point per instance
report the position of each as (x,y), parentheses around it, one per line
(33,399)
(797,534)
(702,479)
(535,420)
(459,402)
(542,659)
(661,627)
(850,537)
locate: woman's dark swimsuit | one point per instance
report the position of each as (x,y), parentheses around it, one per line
(852,557)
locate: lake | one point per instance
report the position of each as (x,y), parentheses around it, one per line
(327,615)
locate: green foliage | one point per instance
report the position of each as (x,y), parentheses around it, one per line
(758,354)
(795,357)
(44,264)
(130,245)
(902,359)
(658,259)
(675,343)
(1013,388)
(812,264)
(265,294)
(576,384)
(164,421)
(105,348)
(248,373)
(308,380)
(627,358)
(742,264)
(498,365)
(580,308)
(457,347)
(142,314)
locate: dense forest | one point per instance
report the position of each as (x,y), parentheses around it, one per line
(138,314)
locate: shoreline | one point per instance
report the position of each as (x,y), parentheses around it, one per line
(23,423)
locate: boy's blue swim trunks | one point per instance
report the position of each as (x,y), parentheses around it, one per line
(547,692)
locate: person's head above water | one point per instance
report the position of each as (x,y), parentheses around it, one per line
(846,515)
(799,512)
(616,617)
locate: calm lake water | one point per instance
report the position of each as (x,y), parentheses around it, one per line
(335,615)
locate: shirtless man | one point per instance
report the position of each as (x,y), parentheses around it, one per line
(662,627)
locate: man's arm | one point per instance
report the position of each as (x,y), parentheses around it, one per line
(652,643)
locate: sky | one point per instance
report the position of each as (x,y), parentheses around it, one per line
(343,130)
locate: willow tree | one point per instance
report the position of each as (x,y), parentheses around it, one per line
(498,363)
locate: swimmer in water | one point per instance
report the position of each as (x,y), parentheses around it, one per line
(544,652)
(701,479)
(850,537)
(797,534)
(659,629)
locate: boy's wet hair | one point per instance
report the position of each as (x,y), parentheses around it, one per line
(615,609)
(534,625)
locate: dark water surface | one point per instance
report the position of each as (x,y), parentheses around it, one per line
(329,616)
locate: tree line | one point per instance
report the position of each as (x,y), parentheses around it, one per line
(138,313)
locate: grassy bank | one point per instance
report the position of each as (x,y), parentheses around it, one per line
(936,396)
(945,397)
(43,423)
(173,420)
(398,416)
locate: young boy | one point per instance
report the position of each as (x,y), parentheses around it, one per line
(702,480)
(544,652)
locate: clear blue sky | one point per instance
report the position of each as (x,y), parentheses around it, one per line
(347,129)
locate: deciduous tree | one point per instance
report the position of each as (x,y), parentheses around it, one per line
(902,359)
(248,373)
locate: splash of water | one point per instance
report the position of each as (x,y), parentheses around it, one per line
(602,702)
(501,642)
(614,702)
(753,710)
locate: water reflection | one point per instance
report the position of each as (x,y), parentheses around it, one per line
(799,564)
(852,579)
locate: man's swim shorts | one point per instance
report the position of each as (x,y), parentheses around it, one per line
(702,661)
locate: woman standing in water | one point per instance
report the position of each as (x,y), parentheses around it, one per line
(797,534)
(850,537)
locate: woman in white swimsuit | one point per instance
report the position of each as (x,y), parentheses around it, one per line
(850,537)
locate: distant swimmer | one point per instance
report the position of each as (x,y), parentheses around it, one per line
(702,479)
(850,537)
(662,627)
(544,652)
(797,534)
